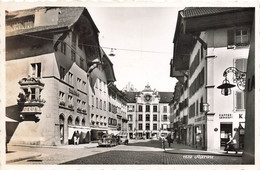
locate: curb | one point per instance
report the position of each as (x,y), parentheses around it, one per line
(22,158)
(201,153)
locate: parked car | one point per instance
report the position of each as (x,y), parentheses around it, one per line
(107,140)
(123,139)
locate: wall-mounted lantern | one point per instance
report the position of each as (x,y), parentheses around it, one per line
(239,78)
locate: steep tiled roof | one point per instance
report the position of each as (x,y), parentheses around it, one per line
(200,11)
(131,96)
(68,16)
(165,97)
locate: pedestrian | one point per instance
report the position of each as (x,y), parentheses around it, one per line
(169,139)
(230,144)
(77,137)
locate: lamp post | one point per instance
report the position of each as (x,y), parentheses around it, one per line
(239,78)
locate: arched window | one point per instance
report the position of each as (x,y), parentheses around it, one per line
(77,121)
(70,120)
(83,122)
(61,119)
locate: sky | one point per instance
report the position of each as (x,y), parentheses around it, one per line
(142,37)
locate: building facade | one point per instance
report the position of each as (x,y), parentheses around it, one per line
(148,113)
(60,85)
(202,52)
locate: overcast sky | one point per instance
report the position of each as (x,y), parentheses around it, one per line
(143,39)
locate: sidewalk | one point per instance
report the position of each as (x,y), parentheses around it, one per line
(185,149)
(14,156)
(20,155)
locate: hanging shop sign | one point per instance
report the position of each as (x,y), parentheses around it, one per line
(200,119)
(226,116)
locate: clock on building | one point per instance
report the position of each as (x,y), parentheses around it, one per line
(147,97)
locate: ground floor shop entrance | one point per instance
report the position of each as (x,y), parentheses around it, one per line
(225,130)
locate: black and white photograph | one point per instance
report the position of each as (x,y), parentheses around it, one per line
(149,86)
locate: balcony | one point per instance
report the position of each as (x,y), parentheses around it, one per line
(30,108)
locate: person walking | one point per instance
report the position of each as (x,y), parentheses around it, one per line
(169,139)
(77,137)
(230,144)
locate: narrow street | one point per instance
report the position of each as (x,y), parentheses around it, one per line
(137,152)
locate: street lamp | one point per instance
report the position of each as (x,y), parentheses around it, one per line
(239,78)
(112,54)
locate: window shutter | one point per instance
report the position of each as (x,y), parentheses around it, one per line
(230,39)
(239,100)
(241,64)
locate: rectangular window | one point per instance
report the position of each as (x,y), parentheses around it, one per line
(73,56)
(63,46)
(164,109)
(70,100)
(36,70)
(140,126)
(130,117)
(100,85)
(164,118)
(130,127)
(100,105)
(33,94)
(105,105)
(238,37)
(140,117)
(130,108)
(109,107)
(140,108)
(154,108)
(84,86)
(147,117)
(62,73)
(70,80)
(241,37)
(96,102)
(147,108)
(241,64)
(154,117)
(79,83)
(74,39)
(92,101)
(61,97)
(79,103)
(147,126)
(197,108)
(154,126)
(240,100)
(164,127)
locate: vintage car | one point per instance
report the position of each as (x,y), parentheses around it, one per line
(107,140)
(123,139)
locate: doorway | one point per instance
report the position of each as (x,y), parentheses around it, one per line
(61,120)
(225,130)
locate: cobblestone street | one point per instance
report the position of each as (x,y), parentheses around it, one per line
(146,157)
(142,152)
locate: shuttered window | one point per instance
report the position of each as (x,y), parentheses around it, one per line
(240,100)
(237,37)
(241,64)
(230,39)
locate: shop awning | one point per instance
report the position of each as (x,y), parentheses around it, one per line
(73,129)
